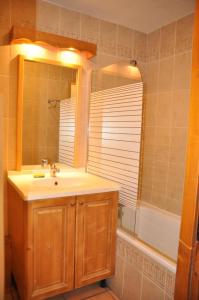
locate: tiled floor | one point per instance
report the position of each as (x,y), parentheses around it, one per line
(93,292)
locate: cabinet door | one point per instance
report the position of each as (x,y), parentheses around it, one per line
(95,237)
(52,249)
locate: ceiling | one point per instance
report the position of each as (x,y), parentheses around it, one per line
(141,15)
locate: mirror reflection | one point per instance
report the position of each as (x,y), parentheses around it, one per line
(49,103)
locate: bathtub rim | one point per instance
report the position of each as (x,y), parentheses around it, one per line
(161,259)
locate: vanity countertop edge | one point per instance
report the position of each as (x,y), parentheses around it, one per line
(24,185)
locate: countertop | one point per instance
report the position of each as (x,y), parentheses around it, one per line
(68,182)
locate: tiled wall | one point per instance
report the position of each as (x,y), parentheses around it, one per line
(164,58)
(114,42)
(41,120)
(167,96)
(10,13)
(139,277)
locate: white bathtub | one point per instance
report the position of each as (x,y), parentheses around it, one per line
(156,227)
(148,251)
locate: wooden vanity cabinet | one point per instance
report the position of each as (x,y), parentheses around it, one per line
(95,237)
(61,244)
(43,241)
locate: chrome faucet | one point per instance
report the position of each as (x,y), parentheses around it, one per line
(44,162)
(53,170)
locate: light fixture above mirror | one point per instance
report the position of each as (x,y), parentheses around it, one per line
(44,40)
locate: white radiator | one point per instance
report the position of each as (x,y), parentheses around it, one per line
(115,136)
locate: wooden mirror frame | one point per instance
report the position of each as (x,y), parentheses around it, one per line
(20,100)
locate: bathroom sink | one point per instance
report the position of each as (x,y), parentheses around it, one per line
(67,183)
(58,182)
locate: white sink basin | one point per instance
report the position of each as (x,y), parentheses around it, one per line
(70,183)
(58,182)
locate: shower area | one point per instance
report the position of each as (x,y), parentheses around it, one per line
(130,147)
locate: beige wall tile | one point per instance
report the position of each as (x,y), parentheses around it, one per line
(28,132)
(153,45)
(149,135)
(180,108)
(4,94)
(159,184)
(103,60)
(143,71)
(184,34)
(52,136)
(52,153)
(147,183)
(149,152)
(167,41)
(165,77)
(150,108)
(178,145)
(175,186)
(4,36)
(140,44)
(23,13)
(173,72)
(170,283)
(152,77)
(150,291)
(121,247)
(164,109)
(168,297)
(5,13)
(70,23)
(155,271)
(4,60)
(39,154)
(27,156)
(124,40)
(162,143)
(47,17)
(12,97)
(182,71)
(12,144)
(134,257)
(107,40)
(55,72)
(116,283)
(132,283)
(89,29)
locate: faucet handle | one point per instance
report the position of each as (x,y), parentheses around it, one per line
(52,165)
(44,162)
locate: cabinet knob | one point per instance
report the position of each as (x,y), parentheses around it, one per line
(81,203)
(73,204)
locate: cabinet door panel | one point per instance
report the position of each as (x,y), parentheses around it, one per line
(95,237)
(53,248)
(49,246)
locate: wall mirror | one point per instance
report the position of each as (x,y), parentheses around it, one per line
(47,99)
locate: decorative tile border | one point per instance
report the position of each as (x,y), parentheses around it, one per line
(160,275)
(154,271)
(170,283)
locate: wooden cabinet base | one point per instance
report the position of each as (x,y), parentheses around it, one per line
(95,241)
(61,244)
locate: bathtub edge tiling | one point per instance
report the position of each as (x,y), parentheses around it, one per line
(141,272)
